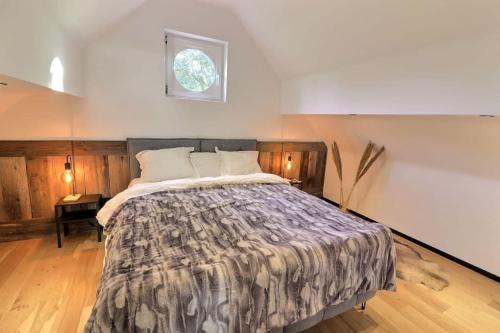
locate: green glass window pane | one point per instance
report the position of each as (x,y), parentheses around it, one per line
(194,70)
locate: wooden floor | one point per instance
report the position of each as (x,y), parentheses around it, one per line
(46,289)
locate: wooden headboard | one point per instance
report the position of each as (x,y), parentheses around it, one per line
(135,146)
(30,173)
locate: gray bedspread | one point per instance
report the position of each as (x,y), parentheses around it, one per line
(234,258)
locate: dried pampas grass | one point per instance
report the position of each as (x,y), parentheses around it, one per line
(367,160)
(338,166)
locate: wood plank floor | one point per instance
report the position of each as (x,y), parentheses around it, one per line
(46,289)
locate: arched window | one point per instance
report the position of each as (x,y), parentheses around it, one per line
(57,75)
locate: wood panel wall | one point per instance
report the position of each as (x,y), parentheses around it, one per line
(30,176)
(30,180)
(308,162)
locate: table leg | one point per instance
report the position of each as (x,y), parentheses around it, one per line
(58,228)
(99,227)
(66,229)
(99,232)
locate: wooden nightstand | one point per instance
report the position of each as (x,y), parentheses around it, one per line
(83,210)
(295,182)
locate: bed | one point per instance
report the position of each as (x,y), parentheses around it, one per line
(232,254)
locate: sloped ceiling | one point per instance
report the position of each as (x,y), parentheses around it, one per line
(85,19)
(304,36)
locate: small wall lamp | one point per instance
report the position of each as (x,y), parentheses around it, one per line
(68,177)
(289,162)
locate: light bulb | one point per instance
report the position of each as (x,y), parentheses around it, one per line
(289,163)
(67,176)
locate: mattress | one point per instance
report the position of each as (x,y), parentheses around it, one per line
(232,254)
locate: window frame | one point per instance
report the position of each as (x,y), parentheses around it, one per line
(217,50)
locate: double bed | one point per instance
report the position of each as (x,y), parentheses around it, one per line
(232,253)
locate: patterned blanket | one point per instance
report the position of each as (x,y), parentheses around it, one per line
(234,258)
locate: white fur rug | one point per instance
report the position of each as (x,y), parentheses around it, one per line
(410,266)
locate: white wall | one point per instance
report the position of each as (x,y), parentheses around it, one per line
(439,180)
(29,111)
(460,77)
(30,39)
(125,78)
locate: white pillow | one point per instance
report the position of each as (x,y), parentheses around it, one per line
(206,164)
(165,164)
(239,162)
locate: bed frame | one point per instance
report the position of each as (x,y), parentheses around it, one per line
(327,313)
(137,145)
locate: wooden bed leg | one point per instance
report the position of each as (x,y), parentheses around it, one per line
(363,305)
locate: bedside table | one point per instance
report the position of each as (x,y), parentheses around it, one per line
(296,183)
(83,210)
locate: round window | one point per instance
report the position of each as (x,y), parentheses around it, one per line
(194,70)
